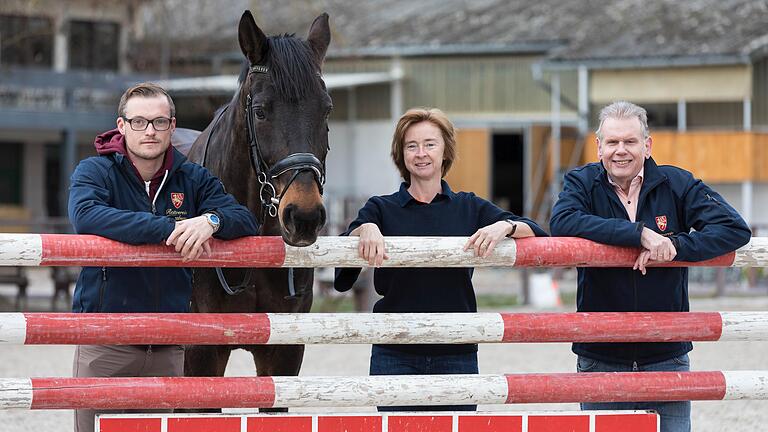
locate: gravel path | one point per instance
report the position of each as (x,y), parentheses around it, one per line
(734,416)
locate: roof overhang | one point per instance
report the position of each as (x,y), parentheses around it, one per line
(518,48)
(645,62)
(228,84)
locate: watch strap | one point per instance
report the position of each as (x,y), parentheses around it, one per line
(514,227)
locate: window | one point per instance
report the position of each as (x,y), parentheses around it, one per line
(93,45)
(660,115)
(26,41)
(715,115)
(11,173)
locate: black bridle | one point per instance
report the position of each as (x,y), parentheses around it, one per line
(266,175)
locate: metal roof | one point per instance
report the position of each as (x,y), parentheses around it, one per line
(603,33)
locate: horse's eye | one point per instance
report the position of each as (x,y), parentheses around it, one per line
(259,111)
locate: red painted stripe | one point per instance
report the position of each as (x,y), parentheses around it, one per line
(577,252)
(612,327)
(204,424)
(490,423)
(130,425)
(550,423)
(207,329)
(147,393)
(89,250)
(280,424)
(615,387)
(406,423)
(626,422)
(155,329)
(349,423)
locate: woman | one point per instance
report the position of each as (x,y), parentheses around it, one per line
(423,149)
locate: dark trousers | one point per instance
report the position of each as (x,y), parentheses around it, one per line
(386,361)
(675,416)
(123,361)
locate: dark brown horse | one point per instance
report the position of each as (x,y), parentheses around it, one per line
(268,146)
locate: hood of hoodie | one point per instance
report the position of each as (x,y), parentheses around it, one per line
(109,142)
(113,142)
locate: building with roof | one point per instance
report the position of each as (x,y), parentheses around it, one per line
(522,80)
(63,66)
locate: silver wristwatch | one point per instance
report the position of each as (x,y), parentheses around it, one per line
(213,220)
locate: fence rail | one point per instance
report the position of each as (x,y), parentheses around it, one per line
(88,250)
(378,328)
(338,391)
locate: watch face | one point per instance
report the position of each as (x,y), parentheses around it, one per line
(213,218)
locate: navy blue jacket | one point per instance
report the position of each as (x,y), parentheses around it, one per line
(589,207)
(426,289)
(108,198)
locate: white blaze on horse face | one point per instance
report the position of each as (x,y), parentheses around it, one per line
(423,149)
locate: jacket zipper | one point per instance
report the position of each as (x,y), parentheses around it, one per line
(154,211)
(162,183)
(102,288)
(634,309)
(640,201)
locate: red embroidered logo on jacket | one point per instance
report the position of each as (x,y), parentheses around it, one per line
(177,198)
(661,222)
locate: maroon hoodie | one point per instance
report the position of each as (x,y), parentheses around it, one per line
(113,141)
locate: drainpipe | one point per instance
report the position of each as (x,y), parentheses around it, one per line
(554,184)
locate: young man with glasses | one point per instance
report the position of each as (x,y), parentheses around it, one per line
(140,190)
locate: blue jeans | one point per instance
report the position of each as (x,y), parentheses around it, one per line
(386,361)
(675,416)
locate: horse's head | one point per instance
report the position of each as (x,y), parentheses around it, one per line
(287,107)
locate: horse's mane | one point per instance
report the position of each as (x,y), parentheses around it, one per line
(293,68)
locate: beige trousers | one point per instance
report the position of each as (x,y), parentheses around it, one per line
(123,361)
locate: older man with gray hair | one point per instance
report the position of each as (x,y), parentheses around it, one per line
(625,199)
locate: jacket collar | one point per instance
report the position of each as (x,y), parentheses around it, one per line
(651,175)
(404,197)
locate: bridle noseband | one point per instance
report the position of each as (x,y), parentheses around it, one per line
(295,162)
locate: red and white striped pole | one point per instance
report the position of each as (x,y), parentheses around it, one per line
(267,392)
(379,328)
(87,250)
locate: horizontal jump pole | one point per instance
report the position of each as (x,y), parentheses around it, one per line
(88,250)
(378,328)
(339,391)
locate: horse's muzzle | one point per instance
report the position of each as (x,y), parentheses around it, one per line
(302,225)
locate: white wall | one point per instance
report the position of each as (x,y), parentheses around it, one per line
(358,164)
(732,194)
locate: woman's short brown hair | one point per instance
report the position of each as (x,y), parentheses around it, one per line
(418,115)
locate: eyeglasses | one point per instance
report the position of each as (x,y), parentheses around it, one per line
(140,123)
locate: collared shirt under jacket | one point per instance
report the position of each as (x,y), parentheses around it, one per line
(673,203)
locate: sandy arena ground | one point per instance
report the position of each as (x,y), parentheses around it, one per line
(733,416)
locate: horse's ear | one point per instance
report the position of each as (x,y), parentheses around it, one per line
(253,42)
(320,36)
